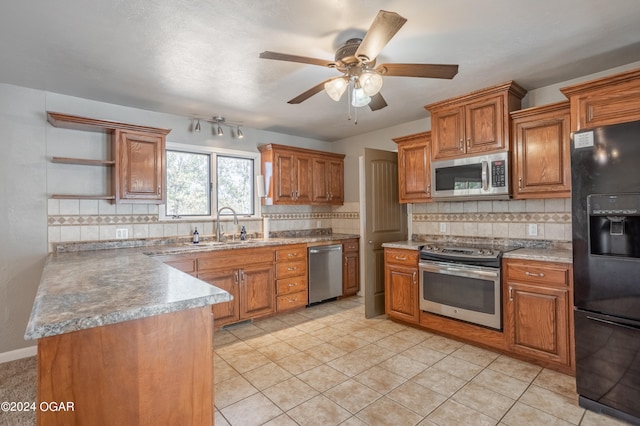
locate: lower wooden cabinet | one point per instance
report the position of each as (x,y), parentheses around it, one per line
(350,267)
(228,280)
(538,318)
(257,291)
(401,284)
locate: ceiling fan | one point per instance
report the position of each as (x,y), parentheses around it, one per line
(356,60)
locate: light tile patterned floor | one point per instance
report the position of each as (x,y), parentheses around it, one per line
(328,365)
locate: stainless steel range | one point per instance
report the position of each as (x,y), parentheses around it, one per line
(462,282)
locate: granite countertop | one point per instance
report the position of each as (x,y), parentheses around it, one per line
(92,288)
(560,255)
(541,254)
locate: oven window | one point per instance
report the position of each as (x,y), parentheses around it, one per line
(459,177)
(472,294)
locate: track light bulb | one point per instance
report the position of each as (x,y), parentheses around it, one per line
(240,134)
(220,132)
(197,128)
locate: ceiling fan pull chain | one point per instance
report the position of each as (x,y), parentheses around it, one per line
(349,102)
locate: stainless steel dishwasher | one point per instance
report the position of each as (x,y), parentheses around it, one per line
(325,272)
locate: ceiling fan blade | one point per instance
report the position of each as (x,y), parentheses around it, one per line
(377,102)
(419,70)
(384,27)
(309,93)
(295,58)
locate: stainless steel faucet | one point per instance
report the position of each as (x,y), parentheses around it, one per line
(235,221)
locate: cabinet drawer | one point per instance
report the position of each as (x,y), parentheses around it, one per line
(184,265)
(291,269)
(538,273)
(233,258)
(292,301)
(292,285)
(350,245)
(401,257)
(291,253)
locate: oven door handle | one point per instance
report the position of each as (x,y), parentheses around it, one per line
(452,270)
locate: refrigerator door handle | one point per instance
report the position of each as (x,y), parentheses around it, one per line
(614,323)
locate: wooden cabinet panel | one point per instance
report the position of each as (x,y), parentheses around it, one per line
(233,258)
(292,285)
(228,280)
(608,100)
(538,318)
(257,291)
(301,176)
(475,123)
(350,273)
(140,167)
(291,269)
(296,252)
(401,293)
(401,284)
(541,152)
(292,301)
(414,167)
(540,322)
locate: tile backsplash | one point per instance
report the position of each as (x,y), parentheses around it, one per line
(98,220)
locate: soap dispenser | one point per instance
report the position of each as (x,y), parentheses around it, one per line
(243,234)
(196,236)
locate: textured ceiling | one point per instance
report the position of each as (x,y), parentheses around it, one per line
(200,57)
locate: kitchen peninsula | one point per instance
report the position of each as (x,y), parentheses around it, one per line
(125,338)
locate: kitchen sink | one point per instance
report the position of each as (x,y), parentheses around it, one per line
(221,243)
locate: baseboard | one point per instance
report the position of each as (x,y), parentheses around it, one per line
(18,354)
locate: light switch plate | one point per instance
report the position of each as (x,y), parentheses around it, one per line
(533,229)
(122,233)
(443,227)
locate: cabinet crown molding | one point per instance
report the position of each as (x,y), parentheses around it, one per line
(272,146)
(588,86)
(75,122)
(414,137)
(555,107)
(510,87)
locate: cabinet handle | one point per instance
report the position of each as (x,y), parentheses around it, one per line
(401,258)
(468,143)
(292,254)
(159,189)
(532,274)
(236,276)
(429,189)
(293,300)
(510,294)
(242,276)
(520,183)
(414,277)
(293,284)
(292,269)
(461,145)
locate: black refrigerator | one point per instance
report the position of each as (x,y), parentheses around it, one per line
(605,181)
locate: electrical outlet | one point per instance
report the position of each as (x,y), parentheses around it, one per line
(122,233)
(533,229)
(443,227)
(318,224)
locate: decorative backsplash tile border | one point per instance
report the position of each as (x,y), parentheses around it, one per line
(101,220)
(560,217)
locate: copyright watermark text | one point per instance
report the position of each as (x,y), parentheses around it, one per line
(12,406)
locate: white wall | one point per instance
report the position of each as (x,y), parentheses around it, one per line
(23,223)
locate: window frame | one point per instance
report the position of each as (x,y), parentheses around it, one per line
(213,153)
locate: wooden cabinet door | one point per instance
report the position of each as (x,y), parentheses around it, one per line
(414,171)
(303,179)
(320,180)
(541,152)
(350,273)
(539,321)
(401,293)
(335,178)
(225,312)
(140,167)
(284,177)
(257,291)
(447,127)
(484,121)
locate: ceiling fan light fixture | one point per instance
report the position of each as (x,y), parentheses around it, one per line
(370,81)
(359,98)
(336,87)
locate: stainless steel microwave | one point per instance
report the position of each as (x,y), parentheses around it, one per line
(471,178)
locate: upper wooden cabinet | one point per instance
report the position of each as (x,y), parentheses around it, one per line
(414,167)
(474,123)
(609,100)
(541,152)
(301,176)
(138,158)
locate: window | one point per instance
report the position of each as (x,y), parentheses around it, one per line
(192,174)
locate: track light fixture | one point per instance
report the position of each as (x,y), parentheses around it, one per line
(218,121)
